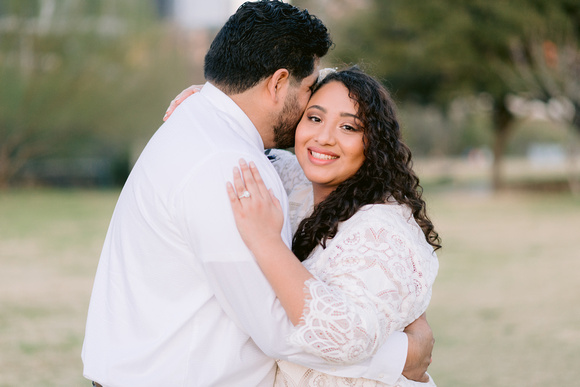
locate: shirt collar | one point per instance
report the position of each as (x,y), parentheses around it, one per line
(233,113)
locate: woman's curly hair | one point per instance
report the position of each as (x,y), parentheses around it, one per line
(385,174)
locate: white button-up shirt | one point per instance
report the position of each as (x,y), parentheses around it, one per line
(178,299)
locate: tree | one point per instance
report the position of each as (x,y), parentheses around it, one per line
(69,70)
(433,51)
(548,71)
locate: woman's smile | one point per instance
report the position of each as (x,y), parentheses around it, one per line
(320,155)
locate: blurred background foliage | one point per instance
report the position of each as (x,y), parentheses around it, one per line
(463,62)
(80,83)
(83,84)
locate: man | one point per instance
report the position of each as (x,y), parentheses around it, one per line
(178,299)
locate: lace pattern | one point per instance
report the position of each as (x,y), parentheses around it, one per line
(294,375)
(374,277)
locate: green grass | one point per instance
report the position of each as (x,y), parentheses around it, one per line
(50,242)
(504,312)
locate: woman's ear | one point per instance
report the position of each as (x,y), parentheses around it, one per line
(278,85)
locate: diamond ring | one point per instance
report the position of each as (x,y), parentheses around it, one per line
(244,194)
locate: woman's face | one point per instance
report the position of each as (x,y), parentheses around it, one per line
(329,138)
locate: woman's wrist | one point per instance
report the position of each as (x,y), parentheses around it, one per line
(269,248)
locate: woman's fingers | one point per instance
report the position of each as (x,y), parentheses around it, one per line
(174,103)
(180,98)
(249,184)
(258,216)
(254,183)
(258,179)
(249,180)
(239,184)
(275,199)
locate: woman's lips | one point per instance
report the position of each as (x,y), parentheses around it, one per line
(322,156)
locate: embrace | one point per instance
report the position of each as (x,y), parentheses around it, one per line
(225,265)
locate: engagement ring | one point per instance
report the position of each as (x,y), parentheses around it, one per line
(244,194)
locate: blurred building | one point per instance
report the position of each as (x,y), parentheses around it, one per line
(198,14)
(197,22)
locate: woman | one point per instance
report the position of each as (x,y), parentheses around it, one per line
(362,234)
(361,230)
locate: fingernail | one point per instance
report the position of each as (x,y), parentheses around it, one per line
(242,162)
(252,165)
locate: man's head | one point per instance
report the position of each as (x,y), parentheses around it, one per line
(260,38)
(266,58)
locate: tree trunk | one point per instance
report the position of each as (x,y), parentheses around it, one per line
(574,154)
(502,119)
(12,159)
(5,168)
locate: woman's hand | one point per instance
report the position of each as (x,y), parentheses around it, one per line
(259,218)
(257,211)
(180,98)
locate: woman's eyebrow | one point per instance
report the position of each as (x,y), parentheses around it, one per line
(349,115)
(318,107)
(343,114)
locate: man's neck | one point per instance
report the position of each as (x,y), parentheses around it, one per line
(257,109)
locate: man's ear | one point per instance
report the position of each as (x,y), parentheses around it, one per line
(278,85)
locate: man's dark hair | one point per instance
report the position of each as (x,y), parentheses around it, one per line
(260,38)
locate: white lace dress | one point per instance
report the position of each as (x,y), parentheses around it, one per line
(374,277)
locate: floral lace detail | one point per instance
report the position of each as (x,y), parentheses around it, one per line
(373,278)
(294,375)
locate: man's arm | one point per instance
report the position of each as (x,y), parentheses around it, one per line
(419,353)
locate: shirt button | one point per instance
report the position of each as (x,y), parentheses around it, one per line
(381,376)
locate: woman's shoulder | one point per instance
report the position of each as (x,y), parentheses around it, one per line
(387,213)
(288,169)
(389,227)
(390,218)
(281,157)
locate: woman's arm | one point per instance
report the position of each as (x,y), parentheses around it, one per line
(372,284)
(259,219)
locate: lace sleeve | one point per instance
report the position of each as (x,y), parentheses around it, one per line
(374,277)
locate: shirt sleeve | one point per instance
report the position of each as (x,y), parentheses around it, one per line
(373,282)
(238,283)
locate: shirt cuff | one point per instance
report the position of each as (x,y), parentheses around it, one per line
(388,363)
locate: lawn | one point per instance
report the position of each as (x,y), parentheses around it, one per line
(506,304)
(49,249)
(505,309)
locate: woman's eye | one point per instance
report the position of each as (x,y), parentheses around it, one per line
(350,128)
(314,119)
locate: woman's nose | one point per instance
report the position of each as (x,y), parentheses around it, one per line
(325,135)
